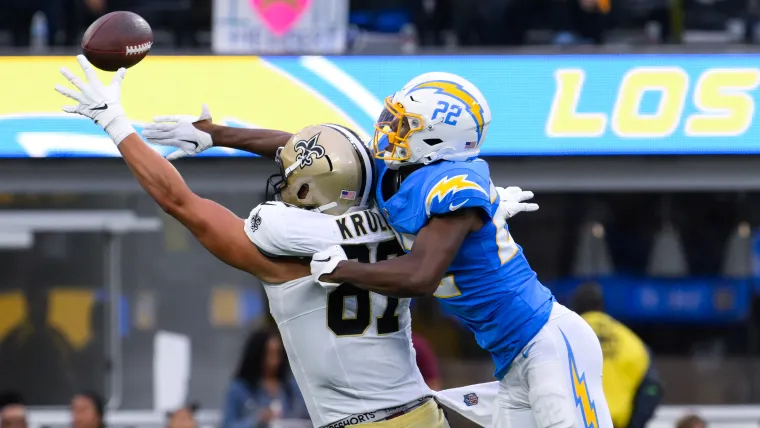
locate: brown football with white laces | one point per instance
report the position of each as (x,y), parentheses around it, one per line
(117,39)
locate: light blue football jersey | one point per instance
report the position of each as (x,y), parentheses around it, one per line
(489,286)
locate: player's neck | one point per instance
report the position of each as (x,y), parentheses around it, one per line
(392,179)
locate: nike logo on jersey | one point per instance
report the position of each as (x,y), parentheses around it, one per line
(323,261)
(453,207)
(191,142)
(525,352)
(100,107)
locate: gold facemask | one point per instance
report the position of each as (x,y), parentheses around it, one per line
(392,131)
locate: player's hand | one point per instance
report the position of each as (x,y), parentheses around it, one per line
(180,131)
(96,101)
(324,263)
(514,198)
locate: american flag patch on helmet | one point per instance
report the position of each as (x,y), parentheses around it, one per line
(348,194)
(470,144)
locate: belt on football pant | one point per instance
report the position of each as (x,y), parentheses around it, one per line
(379,415)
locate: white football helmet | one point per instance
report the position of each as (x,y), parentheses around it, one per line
(435,116)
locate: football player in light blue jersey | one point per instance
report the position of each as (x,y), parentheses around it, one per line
(438,197)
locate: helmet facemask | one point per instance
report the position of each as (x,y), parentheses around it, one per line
(277,182)
(296,191)
(392,131)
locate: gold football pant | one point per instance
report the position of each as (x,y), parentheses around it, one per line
(428,415)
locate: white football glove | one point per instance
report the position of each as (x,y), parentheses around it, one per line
(100,103)
(514,198)
(325,262)
(178,131)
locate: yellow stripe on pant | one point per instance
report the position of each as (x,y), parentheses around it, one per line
(427,415)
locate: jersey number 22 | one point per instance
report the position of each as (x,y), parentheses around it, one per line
(336,300)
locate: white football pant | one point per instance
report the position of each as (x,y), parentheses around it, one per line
(555,382)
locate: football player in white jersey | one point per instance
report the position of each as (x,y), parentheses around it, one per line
(350,350)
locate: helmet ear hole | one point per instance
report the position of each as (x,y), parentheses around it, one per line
(303,192)
(433,141)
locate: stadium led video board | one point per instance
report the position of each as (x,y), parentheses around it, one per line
(542,105)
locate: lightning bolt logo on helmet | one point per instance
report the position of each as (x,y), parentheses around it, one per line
(451,185)
(457,92)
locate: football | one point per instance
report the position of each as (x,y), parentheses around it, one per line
(117,39)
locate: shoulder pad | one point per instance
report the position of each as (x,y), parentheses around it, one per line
(278,229)
(456,188)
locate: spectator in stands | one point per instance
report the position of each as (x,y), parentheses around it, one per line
(263,388)
(12,411)
(432,18)
(691,421)
(74,16)
(427,362)
(36,358)
(183,417)
(630,382)
(87,410)
(70,17)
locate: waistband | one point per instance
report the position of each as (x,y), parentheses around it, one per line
(379,415)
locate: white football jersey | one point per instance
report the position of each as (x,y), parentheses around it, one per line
(350,350)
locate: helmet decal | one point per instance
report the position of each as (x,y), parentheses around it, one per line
(456,91)
(308,151)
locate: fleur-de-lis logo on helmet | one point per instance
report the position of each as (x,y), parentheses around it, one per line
(308,150)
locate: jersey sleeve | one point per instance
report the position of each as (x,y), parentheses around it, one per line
(278,229)
(456,189)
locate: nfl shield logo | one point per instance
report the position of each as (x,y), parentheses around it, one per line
(471,399)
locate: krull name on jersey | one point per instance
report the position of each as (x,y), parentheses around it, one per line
(375,222)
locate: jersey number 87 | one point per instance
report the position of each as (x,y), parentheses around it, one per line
(386,324)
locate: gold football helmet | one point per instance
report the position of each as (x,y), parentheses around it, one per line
(325,168)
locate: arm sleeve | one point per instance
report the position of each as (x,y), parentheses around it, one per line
(457,189)
(281,230)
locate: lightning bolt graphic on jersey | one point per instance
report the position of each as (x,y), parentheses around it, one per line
(451,185)
(580,390)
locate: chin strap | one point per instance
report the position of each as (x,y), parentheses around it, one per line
(326,207)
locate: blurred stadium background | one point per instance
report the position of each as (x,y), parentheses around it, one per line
(632,120)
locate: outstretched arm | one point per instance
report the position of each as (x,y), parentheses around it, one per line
(262,142)
(417,273)
(219,230)
(192,135)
